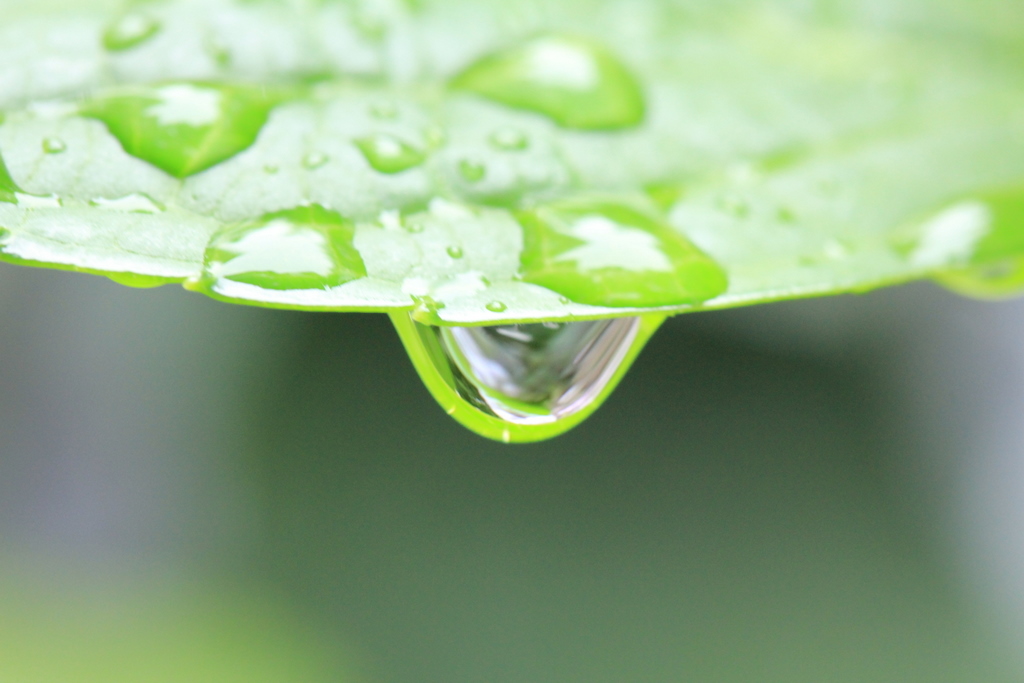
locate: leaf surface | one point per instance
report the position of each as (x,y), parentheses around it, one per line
(485,162)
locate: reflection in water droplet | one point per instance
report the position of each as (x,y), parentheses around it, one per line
(509,139)
(389,154)
(472,171)
(611,253)
(54,145)
(575,82)
(130,30)
(455,252)
(534,373)
(315,160)
(496,307)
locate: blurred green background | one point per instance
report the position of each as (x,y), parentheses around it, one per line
(814,491)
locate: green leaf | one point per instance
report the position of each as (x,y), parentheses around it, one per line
(489,163)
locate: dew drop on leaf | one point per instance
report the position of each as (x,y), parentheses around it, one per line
(607,252)
(389,154)
(509,139)
(496,307)
(472,171)
(54,145)
(574,81)
(315,160)
(532,374)
(309,247)
(129,31)
(384,110)
(183,128)
(455,252)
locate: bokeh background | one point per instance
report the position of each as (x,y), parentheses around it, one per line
(827,490)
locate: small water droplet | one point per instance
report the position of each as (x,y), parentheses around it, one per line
(271,169)
(533,374)
(786,215)
(734,205)
(315,160)
(564,300)
(54,145)
(455,252)
(575,82)
(611,253)
(509,139)
(472,171)
(384,110)
(389,154)
(371,27)
(218,52)
(497,307)
(434,137)
(129,31)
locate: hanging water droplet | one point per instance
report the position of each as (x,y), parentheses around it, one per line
(315,160)
(54,145)
(472,171)
(455,252)
(606,252)
(509,139)
(130,30)
(389,154)
(496,307)
(533,374)
(184,128)
(575,82)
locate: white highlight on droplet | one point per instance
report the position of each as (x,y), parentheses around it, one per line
(561,64)
(279,247)
(952,235)
(186,105)
(611,245)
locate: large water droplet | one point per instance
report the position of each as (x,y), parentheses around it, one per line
(130,30)
(574,81)
(535,373)
(184,128)
(389,154)
(308,247)
(607,252)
